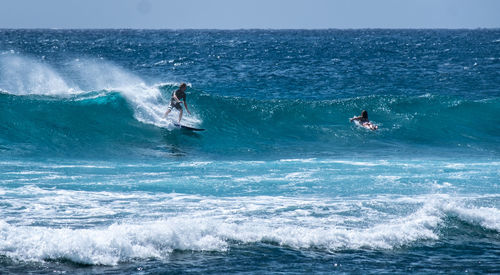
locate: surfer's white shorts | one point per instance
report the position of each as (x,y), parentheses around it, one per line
(175,105)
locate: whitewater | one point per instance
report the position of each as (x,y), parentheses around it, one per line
(94,178)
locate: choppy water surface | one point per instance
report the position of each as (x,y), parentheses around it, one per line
(93,179)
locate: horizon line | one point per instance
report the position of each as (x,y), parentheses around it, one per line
(250,29)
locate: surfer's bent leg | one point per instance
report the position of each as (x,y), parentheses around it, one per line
(167,112)
(169,109)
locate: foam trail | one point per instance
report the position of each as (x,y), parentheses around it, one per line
(24,76)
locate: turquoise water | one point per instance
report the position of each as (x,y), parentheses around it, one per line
(94,180)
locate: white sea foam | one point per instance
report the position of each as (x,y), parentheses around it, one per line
(386,178)
(195,164)
(29,173)
(358,163)
(486,217)
(125,241)
(299,160)
(443,185)
(306,176)
(257,179)
(107,245)
(299,223)
(106,227)
(89,166)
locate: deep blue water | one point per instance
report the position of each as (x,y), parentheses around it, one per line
(93,179)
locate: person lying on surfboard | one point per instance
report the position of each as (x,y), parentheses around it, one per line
(175,101)
(363,121)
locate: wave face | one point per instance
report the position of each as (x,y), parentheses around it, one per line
(112,123)
(94,179)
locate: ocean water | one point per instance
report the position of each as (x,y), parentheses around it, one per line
(93,179)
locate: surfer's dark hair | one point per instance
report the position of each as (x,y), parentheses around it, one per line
(364,114)
(183,85)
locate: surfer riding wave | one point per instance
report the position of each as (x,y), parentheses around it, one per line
(175,101)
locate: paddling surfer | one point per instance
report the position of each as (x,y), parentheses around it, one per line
(363,120)
(175,101)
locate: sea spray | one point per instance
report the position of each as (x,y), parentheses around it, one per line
(21,75)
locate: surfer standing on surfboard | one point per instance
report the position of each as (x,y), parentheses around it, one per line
(175,101)
(363,120)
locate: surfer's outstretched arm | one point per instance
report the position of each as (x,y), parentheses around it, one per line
(185,106)
(355,118)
